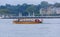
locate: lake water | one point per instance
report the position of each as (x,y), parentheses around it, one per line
(49,28)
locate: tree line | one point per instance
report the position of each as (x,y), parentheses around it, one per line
(25,9)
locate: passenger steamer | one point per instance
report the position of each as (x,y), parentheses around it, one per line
(27,21)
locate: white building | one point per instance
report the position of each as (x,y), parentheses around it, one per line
(58,10)
(43,11)
(48,11)
(51,10)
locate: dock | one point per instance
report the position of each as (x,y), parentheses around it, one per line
(16,17)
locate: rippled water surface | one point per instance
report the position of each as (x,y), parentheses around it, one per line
(49,28)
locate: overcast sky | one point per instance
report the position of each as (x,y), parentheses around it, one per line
(15,2)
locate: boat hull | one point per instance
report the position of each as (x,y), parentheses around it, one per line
(25,22)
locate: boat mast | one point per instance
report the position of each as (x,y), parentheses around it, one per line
(33,14)
(20,15)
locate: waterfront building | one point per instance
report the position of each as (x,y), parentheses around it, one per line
(51,10)
(58,10)
(43,11)
(48,11)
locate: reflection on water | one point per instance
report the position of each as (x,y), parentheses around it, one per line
(49,28)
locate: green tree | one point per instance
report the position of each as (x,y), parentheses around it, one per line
(57,4)
(4,11)
(44,4)
(31,9)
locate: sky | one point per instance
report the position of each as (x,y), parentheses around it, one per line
(36,2)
